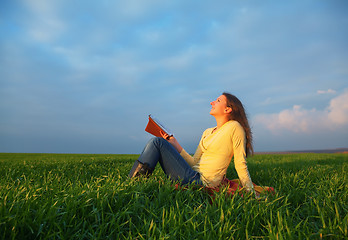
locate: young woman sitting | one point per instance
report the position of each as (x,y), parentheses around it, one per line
(230,138)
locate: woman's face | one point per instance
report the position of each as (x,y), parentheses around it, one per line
(219,106)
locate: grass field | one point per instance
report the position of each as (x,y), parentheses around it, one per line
(73,196)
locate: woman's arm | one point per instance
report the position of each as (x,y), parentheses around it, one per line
(240,159)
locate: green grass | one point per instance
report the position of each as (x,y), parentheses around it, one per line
(76,196)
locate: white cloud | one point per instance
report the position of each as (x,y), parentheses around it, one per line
(300,120)
(329,91)
(338,109)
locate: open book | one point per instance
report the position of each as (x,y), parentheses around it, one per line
(156,128)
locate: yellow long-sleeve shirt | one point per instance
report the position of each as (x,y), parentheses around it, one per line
(214,154)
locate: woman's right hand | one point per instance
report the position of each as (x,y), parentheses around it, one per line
(172,140)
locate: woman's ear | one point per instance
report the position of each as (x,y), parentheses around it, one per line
(228,110)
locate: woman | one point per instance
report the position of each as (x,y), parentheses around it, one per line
(231,137)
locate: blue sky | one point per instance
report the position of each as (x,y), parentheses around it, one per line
(82,76)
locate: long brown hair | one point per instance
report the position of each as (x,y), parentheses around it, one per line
(238,114)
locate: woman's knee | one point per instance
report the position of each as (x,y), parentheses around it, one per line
(156,140)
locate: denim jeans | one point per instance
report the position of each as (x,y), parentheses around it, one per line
(172,163)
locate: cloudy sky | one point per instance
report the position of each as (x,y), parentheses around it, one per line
(82,76)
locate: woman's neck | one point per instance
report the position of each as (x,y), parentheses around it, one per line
(220,121)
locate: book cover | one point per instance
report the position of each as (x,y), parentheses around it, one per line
(156,128)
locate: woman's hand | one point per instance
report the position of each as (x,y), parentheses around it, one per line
(172,140)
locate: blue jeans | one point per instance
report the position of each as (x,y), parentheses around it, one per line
(173,164)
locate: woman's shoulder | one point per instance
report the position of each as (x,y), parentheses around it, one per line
(230,126)
(233,124)
(234,127)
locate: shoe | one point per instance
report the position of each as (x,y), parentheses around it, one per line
(140,169)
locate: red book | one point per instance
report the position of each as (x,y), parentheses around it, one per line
(156,128)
